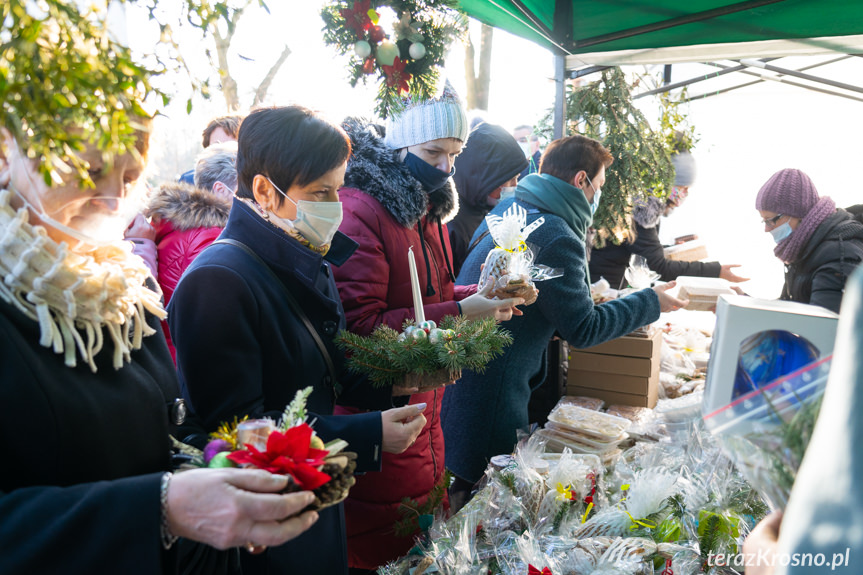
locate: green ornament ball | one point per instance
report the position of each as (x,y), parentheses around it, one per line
(436,335)
(417,51)
(387,53)
(221,460)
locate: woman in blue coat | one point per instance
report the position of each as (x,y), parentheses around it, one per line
(246,314)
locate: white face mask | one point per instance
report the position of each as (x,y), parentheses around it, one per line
(779,233)
(525,147)
(97,227)
(507,192)
(318,222)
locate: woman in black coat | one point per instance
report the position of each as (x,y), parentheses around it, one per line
(88,393)
(819,244)
(611,261)
(243,349)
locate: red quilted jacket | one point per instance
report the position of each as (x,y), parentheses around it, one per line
(384,210)
(375,288)
(187,220)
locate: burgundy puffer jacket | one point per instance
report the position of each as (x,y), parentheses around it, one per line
(187,220)
(386,211)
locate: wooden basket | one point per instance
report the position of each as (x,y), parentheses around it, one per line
(426,381)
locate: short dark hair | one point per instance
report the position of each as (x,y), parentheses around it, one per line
(565,157)
(291,145)
(230,124)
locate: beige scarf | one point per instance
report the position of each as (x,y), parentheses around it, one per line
(74,295)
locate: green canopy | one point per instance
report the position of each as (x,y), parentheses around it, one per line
(665,31)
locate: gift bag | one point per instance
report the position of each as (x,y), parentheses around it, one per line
(509,266)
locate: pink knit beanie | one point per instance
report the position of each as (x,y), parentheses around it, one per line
(788,192)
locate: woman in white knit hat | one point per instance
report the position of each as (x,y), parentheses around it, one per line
(398,194)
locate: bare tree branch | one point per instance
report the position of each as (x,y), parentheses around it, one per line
(478,84)
(484,79)
(261,92)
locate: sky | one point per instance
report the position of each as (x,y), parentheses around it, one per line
(745,135)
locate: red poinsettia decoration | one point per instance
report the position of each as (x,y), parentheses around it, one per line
(396,75)
(531,570)
(288,453)
(357,18)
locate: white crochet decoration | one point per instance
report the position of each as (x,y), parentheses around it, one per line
(74,295)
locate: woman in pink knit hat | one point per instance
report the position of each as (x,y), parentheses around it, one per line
(819,244)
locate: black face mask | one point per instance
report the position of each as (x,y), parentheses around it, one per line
(430,177)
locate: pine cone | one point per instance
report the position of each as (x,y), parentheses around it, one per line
(340,467)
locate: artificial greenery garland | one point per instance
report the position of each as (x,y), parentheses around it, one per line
(388,357)
(406,61)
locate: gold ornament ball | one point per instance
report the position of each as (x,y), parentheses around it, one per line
(417,51)
(387,53)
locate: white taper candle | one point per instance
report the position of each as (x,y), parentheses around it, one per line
(419,313)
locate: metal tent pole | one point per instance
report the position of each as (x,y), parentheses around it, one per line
(559,95)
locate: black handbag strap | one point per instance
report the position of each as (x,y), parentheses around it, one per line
(297,309)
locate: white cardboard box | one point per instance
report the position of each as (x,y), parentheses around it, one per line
(739,317)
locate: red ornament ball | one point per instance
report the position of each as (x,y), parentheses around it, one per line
(369,66)
(376,34)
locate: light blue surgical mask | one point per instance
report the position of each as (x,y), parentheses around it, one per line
(779,233)
(318,222)
(507,192)
(597,193)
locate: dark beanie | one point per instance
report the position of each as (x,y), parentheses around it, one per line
(788,192)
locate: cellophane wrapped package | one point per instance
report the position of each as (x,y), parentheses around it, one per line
(509,266)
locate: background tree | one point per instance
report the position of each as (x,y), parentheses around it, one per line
(60,67)
(642,166)
(220,20)
(478,82)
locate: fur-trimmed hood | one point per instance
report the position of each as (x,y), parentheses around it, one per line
(187,207)
(647,212)
(375,169)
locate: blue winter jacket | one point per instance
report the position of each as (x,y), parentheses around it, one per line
(482,412)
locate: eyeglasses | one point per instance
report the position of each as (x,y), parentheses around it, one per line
(772,221)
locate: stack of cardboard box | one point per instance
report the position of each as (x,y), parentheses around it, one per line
(621,371)
(686,252)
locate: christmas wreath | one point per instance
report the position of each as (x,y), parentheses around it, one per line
(405,59)
(424,355)
(290,447)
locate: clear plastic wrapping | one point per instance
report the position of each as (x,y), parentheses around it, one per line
(766,431)
(509,266)
(593,403)
(601,426)
(638,274)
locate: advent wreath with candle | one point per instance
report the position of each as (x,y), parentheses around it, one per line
(424,355)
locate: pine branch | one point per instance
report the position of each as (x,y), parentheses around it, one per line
(471,344)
